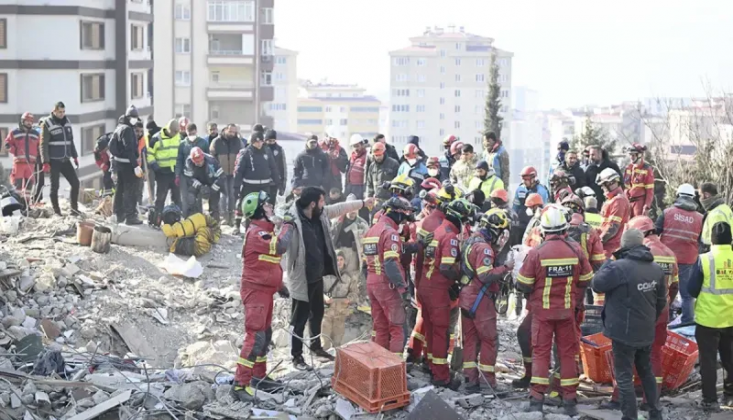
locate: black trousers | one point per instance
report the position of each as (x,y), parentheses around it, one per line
(107,181)
(625,358)
(125,201)
(310,312)
(165,182)
(40,182)
(66,168)
(711,342)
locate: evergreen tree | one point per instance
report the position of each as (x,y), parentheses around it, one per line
(593,135)
(492,119)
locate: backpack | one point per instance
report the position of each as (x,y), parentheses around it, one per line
(102,142)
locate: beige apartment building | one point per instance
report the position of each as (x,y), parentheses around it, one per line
(337,110)
(439,86)
(214,60)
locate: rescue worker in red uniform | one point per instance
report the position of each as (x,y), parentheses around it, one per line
(666,259)
(560,186)
(615,212)
(480,279)
(588,238)
(639,180)
(262,277)
(439,287)
(554,274)
(533,235)
(22,144)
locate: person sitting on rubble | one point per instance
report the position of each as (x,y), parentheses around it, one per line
(339,297)
(346,233)
(202,171)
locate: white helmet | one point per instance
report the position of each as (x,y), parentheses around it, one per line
(686,189)
(356,139)
(607,175)
(553,219)
(587,192)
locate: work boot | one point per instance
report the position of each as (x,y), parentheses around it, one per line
(553,399)
(267,384)
(300,364)
(452,384)
(570,408)
(133,221)
(57,211)
(473,388)
(524,382)
(655,415)
(535,406)
(411,358)
(323,355)
(76,212)
(243,394)
(610,405)
(710,406)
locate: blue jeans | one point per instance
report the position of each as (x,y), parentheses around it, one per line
(688,302)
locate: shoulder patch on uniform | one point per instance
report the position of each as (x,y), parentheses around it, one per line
(275,152)
(487,252)
(262,233)
(395,238)
(453,252)
(487,261)
(454,242)
(266,157)
(394,247)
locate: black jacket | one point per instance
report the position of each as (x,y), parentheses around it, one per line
(255,165)
(282,164)
(207,174)
(340,163)
(577,175)
(124,142)
(592,172)
(636,294)
(311,168)
(392,152)
(378,174)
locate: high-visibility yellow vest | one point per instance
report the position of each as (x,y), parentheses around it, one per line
(487,187)
(715,303)
(165,150)
(593,219)
(722,213)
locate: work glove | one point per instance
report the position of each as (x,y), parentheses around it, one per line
(178,181)
(46,167)
(196,183)
(138,172)
(76,163)
(284,292)
(453,292)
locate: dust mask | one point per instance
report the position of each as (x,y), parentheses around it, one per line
(529,212)
(133,120)
(433,172)
(411,161)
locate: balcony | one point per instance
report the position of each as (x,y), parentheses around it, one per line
(231,57)
(267,62)
(231,90)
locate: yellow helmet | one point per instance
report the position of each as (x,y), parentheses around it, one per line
(402,183)
(495,219)
(449,193)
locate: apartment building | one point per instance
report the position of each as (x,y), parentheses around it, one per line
(439,86)
(214,60)
(282,109)
(94,55)
(337,109)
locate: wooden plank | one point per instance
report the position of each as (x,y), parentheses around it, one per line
(103,407)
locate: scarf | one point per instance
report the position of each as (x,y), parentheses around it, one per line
(711,202)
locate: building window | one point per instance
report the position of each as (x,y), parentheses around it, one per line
(402,77)
(442,116)
(3,35)
(504,108)
(89,136)
(480,62)
(442,132)
(402,92)
(183,11)
(184,110)
(480,77)
(136,37)
(457,108)
(343,122)
(422,62)
(477,109)
(329,122)
(279,77)
(92,87)
(364,109)
(267,47)
(458,77)
(183,45)
(478,124)
(421,93)
(442,101)
(268,16)
(3,92)
(421,108)
(342,109)
(310,122)
(231,11)
(310,109)
(442,85)
(402,61)
(458,46)
(479,93)
(281,60)
(136,85)
(458,61)
(266,78)
(328,109)
(183,78)
(400,108)
(215,75)
(504,93)
(442,69)
(420,124)
(442,53)
(92,35)
(457,93)
(457,124)
(421,78)
(276,107)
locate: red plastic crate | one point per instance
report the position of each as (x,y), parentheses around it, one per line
(594,360)
(371,376)
(679,356)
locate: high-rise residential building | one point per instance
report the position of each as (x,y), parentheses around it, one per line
(439,86)
(338,110)
(214,60)
(282,109)
(95,57)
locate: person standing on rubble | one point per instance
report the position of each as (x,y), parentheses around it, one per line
(262,277)
(22,144)
(481,275)
(123,146)
(312,243)
(162,152)
(59,157)
(555,274)
(280,161)
(184,151)
(254,170)
(635,291)
(225,150)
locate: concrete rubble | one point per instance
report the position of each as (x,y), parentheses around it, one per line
(113,335)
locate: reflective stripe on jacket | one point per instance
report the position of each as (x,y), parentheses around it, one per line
(680,233)
(715,303)
(163,150)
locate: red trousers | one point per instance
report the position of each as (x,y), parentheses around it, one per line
(257,335)
(480,343)
(21,176)
(556,379)
(565,336)
(637,208)
(388,317)
(436,319)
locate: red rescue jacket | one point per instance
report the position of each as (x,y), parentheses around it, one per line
(477,260)
(616,209)
(666,259)
(380,243)
(680,233)
(443,250)
(639,180)
(261,255)
(23,143)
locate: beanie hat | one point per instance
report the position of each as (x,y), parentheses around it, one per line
(271,135)
(721,234)
(632,238)
(564,145)
(482,165)
(414,140)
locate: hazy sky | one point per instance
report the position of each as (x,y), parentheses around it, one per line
(573,52)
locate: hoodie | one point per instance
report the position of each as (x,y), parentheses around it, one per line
(636,294)
(124,143)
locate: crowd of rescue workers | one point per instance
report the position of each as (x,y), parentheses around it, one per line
(428,244)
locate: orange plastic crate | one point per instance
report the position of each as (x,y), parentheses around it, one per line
(679,356)
(371,376)
(595,364)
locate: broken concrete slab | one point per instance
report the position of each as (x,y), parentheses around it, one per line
(139,236)
(191,396)
(103,407)
(432,407)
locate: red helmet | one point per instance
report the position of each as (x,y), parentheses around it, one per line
(183,123)
(529,171)
(573,202)
(431,184)
(410,151)
(433,162)
(197,156)
(534,199)
(378,149)
(449,140)
(642,223)
(500,194)
(27,116)
(456,147)
(635,148)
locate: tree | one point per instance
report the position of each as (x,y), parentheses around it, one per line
(492,119)
(593,135)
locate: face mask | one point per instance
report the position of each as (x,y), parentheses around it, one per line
(134,120)
(411,161)
(433,172)
(529,212)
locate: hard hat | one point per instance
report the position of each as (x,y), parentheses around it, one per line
(401,183)
(398,204)
(607,175)
(534,199)
(591,202)
(460,209)
(378,149)
(574,203)
(686,189)
(553,219)
(558,177)
(410,151)
(449,140)
(430,184)
(27,116)
(197,156)
(585,192)
(495,219)
(252,202)
(433,162)
(356,139)
(171,214)
(635,148)
(456,147)
(529,171)
(642,223)
(500,194)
